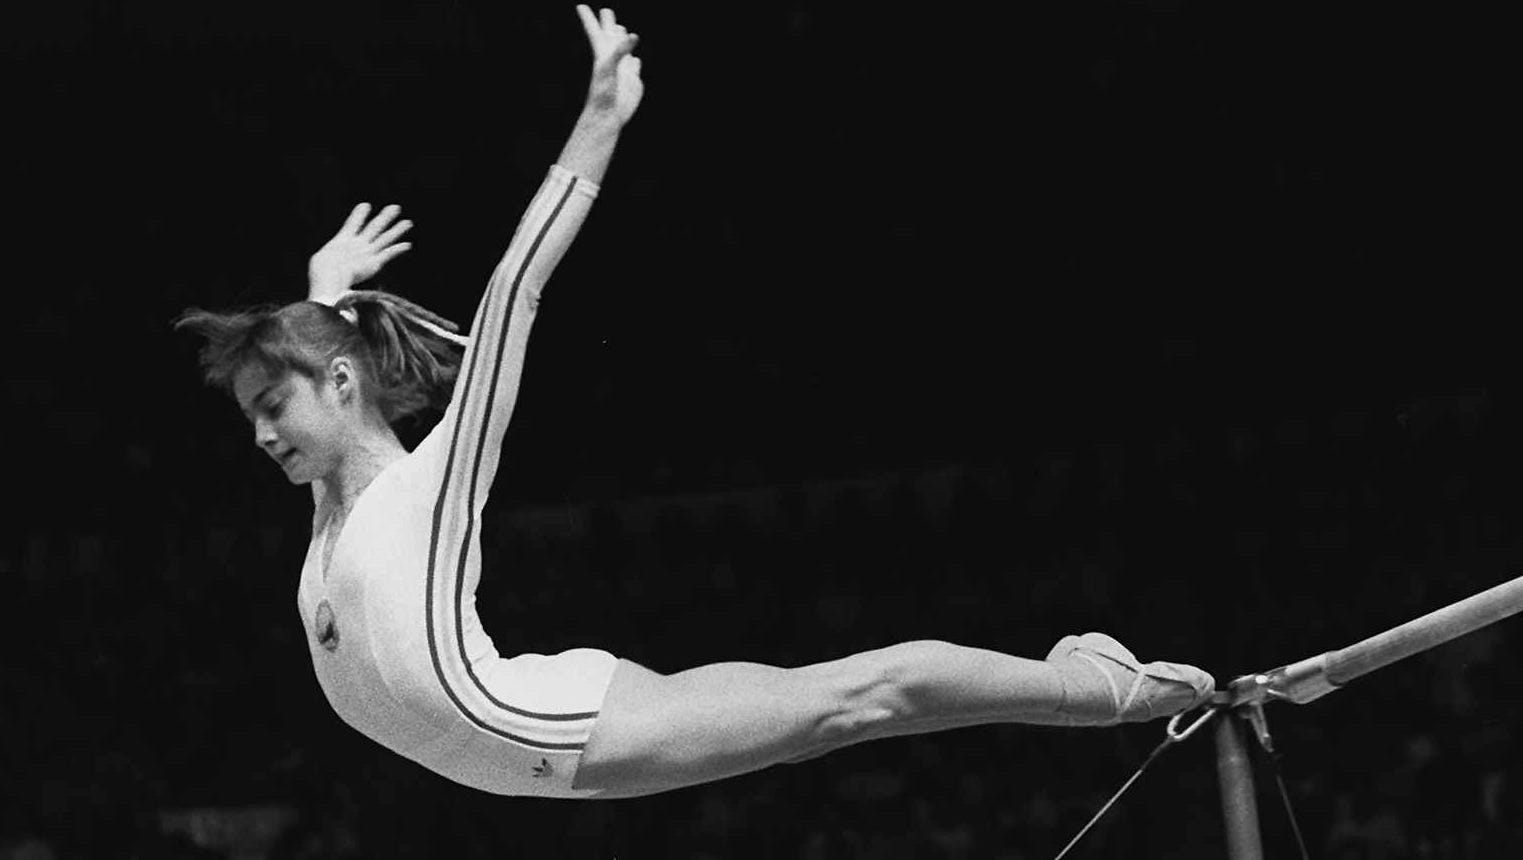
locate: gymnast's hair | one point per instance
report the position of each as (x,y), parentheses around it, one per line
(407,357)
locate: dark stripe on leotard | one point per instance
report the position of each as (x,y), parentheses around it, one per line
(471,516)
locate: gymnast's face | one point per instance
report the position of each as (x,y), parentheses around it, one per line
(299,422)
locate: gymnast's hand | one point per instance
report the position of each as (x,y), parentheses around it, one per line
(616,87)
(356,252)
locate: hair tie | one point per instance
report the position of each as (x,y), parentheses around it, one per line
(347,298)
(441,331)
(417,315)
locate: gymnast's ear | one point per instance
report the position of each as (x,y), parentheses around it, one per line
(345,378)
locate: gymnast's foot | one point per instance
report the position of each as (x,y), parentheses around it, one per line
(1104,684)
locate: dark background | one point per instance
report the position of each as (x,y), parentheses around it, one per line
(1186,323)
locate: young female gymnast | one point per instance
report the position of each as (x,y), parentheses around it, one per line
(387,591)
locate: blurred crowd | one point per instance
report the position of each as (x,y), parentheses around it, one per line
(164,706)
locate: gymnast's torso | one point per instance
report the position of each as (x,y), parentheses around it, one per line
(365,614)
(391,621)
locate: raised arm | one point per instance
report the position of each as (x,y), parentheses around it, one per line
(613,95)
(356,252)
(468,439)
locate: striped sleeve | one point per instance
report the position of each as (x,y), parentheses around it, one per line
(476,419)
(468,441)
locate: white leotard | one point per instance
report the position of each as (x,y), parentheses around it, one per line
(395,639)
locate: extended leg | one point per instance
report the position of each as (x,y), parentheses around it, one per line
(659,732)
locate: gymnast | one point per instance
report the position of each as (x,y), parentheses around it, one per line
(387,591)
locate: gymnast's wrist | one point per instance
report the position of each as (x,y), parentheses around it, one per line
(599,121)
(325,286)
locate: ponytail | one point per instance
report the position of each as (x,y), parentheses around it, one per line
(415,353)
(408,356)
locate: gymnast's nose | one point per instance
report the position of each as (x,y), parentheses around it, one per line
(264,434)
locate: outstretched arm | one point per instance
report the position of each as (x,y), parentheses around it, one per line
(471,431)
(613,95)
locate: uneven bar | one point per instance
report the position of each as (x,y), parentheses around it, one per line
(1314,677)
(1420,634)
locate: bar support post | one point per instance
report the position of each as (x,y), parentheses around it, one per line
(1239,806)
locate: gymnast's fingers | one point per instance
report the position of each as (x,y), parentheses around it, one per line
(381,221)
(356,218)
(394,233)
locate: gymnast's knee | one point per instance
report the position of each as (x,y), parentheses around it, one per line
(860,697)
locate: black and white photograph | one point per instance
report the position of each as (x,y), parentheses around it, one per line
(478,428)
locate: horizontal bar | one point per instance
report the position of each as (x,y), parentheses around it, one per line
(1420,634)
(1310,679)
